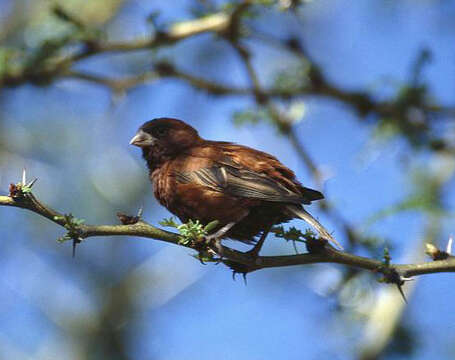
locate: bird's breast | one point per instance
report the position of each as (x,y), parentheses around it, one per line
(162,186)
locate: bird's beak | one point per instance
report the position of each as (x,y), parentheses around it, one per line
(142,139)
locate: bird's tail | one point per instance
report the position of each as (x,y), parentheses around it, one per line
(305,215)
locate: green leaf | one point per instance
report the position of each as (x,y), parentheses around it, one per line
(169,222)
(292,234)
(191,231)
(211,226)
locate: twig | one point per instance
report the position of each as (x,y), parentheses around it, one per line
(142,229)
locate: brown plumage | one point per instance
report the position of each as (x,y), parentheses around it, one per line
(246,190)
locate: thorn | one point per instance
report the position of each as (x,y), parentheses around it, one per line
(31,183)
(24,181)
(75,242)
(400,289)
(449,245)
(392,276)
(74,247)
(140,212)
(234,273)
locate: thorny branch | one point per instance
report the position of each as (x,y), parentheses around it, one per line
(21,197)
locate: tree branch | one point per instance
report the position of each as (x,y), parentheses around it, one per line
(48,64)
(239,261)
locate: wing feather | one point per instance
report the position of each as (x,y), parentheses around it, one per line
(240,182)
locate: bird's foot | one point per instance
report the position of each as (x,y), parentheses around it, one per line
(215,238)
(254,252)
(220,233)
(207,255)
(210,238)
(213,242)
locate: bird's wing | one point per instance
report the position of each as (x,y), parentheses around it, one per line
(241,182)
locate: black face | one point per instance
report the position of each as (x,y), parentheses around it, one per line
(160,128)
(160,131)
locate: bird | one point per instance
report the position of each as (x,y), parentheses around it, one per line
(246,190)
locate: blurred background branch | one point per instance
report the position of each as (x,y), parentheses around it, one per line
(357,97)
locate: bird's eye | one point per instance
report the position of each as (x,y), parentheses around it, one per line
(160,131)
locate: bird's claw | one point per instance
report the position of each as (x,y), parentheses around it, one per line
(209,238)
(213,242)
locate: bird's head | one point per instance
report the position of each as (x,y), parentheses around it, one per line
(163,138)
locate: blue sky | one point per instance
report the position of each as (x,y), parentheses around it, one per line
(74,138)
